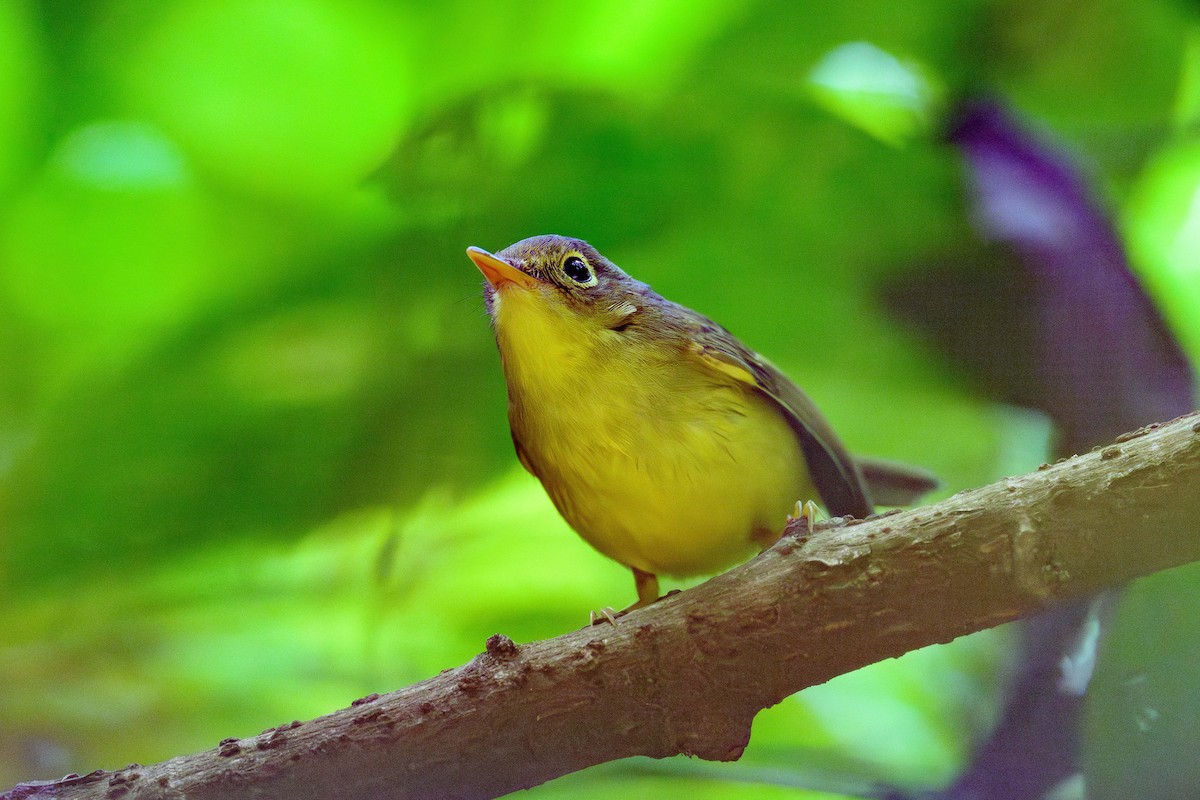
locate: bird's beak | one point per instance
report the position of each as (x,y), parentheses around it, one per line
(498,271)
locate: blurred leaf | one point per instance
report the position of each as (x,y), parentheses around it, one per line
(1143,708)
(269,423)
(875,91)
(252,633)
(1044,53)
(924,700)
(20,85)
(1064,325)
(1163,228)
(286,98)
(1059,324)
(140,250)
(1187,101)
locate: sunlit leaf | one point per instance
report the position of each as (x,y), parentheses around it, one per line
(873,90)
(1163,227)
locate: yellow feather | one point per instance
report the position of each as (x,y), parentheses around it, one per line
(657,463)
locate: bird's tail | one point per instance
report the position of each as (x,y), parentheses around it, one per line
(895,484)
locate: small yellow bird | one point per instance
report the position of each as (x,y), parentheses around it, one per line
(666,443)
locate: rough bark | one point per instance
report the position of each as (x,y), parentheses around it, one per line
(688,674)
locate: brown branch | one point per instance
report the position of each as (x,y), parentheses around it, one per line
(688,674)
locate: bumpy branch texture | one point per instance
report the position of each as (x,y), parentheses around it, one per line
(688,674)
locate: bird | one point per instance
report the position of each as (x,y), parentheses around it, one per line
(663,441)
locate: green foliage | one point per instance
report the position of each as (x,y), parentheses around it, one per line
(253,454)
(1143,719)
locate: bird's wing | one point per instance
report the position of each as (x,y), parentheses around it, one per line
(832,470)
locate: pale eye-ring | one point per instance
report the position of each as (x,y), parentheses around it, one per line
(575,268)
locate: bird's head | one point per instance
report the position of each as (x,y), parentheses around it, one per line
(557,281)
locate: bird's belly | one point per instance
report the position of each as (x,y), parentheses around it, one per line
(677,488)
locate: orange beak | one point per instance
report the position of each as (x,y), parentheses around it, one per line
(498,271)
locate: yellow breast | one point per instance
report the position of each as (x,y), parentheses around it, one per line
(656,462)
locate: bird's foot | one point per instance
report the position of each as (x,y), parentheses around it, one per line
(647,591)
(806,510)
(606,614)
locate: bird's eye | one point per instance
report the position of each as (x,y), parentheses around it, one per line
(578,270)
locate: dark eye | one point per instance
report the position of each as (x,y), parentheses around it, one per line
(577,270)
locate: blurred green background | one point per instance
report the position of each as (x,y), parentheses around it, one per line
(254,461)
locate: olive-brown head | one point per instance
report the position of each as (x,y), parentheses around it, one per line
(589,289)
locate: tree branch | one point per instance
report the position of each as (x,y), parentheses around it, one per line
(688,674)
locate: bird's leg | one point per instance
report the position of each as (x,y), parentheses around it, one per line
(647,591)
(647,588)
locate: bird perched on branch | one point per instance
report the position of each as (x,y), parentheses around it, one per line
(666,443)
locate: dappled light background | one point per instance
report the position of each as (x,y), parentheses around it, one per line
(254,461)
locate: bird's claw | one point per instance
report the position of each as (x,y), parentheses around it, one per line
(604,615)
(806,510)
